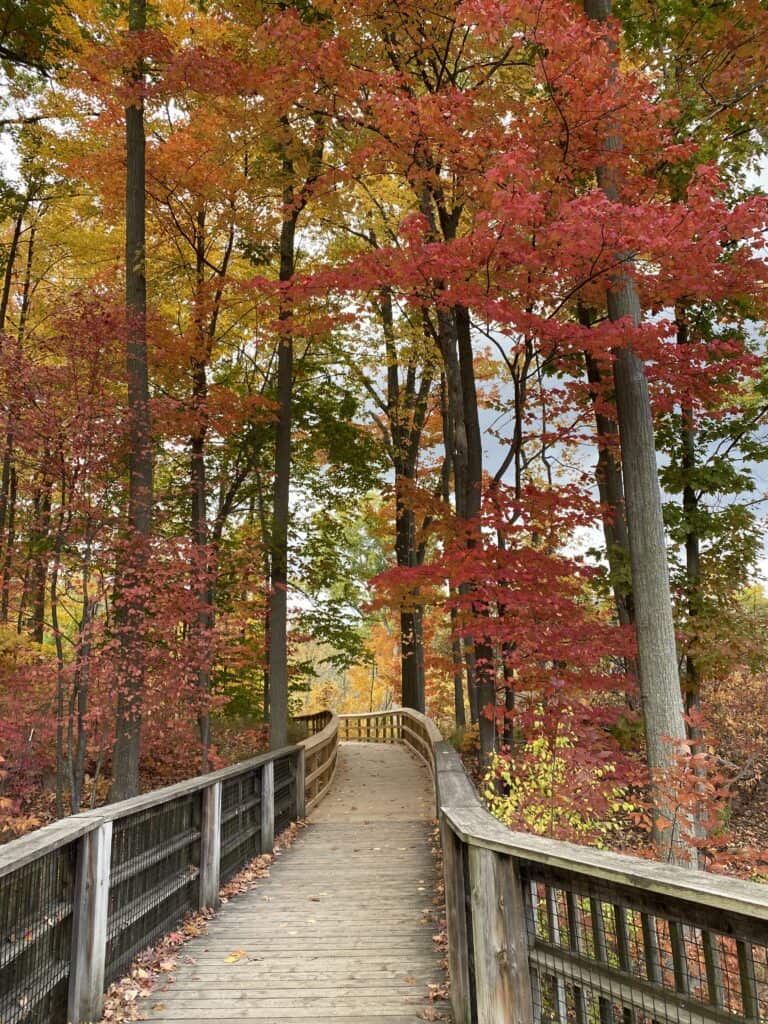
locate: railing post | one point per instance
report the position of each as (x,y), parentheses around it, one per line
(89,928)
(454,854)
(267,806)
(210,847)
(499,939)
(301,807)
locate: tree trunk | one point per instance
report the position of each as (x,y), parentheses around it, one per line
(484,658)
(199,491)
(278,596)
(127,749)
(657,653)
(692,683)
(10,541)
(5,295)
(39,540)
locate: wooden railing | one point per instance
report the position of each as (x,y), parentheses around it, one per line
(320,752)
(545,931)
(81,897)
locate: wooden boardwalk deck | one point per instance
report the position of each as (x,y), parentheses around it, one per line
(342,930)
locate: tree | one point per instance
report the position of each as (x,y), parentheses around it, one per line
(134,571)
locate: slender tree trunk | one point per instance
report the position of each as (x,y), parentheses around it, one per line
(5,295)
(484,657)
(81,684)
(199,491)
(127,749)
(278,596)
(10,542)
(692,682)
(39,551)
(657,653)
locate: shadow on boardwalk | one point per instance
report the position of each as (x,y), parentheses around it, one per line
(342,930)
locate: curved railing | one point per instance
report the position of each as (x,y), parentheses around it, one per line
(541,930)
(320,753)
(81,897)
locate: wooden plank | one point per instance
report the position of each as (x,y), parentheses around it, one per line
(89,926)
(210,847)
(502,980)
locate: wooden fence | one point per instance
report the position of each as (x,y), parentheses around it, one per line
(81,897)
(545,931)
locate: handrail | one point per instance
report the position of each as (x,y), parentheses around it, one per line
(540,929)
(320,752)
(80,897)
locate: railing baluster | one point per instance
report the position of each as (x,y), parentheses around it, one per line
(679,957)
(554,937)
(601,954)
(622,944)
(651,948)
(749,998)
(531,904)
(576,946)
(715,987)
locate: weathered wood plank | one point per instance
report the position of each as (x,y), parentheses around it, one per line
(210,847)
(502,978)
(89,931)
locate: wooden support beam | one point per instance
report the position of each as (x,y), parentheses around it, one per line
(89,928)
(500,941)
(456,896)
(267,807)
(210,847)
(301,770)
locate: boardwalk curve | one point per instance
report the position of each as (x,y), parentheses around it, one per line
(342,930)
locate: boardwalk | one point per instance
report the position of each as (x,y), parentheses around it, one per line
(342,930)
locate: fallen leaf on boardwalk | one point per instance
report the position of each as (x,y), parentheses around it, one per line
(235,956)
(409,980)
(158,1006)
(167,965)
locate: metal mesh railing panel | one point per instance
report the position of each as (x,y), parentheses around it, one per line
(36,903)
(285,792)
(240,822)
(607,959)
(154,877)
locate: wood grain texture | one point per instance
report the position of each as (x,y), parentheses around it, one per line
(343,928)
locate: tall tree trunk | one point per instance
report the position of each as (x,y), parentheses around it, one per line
(39,540)
(406,412)
(10,541)
(457,660)
(692,683)
(278,595)
(657,654)
(484,655)
(199,491)
(13,249)
(127,749)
